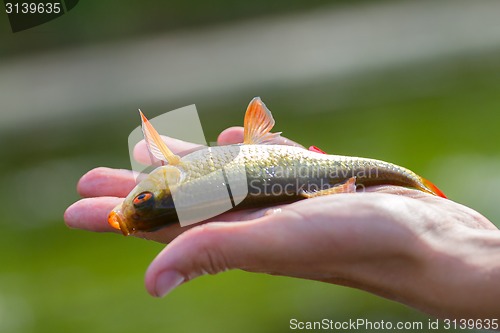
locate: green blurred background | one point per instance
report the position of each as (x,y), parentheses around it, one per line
(416,83)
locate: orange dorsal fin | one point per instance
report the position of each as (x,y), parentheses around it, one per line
(258,124)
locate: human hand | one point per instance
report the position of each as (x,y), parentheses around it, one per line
(421,250)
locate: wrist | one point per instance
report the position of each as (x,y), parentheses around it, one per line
(461,273)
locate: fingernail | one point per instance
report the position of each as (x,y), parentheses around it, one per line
(167,281)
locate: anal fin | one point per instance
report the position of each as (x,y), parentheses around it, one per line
(348,187)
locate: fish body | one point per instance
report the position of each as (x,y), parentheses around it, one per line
(213,180)
(279,173)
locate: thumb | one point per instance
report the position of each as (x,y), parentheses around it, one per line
(212,248)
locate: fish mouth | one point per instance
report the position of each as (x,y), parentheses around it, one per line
(116,221)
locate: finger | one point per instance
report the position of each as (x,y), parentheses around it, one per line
(91,214)
(215,247)
(179,147)
(234,135)
(106,182)
(230,136)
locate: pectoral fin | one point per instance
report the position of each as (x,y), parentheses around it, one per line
(155,144)
(258,124)
(348,187)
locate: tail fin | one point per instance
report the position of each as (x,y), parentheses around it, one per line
(433,188)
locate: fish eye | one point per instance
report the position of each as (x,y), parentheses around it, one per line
(141,198)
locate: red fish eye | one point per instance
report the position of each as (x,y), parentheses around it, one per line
(143,197)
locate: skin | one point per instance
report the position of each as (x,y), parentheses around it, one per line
(421,250)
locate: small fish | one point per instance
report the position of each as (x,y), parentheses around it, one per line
(258,173)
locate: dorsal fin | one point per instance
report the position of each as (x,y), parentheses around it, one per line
(258,123)
(155,144)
